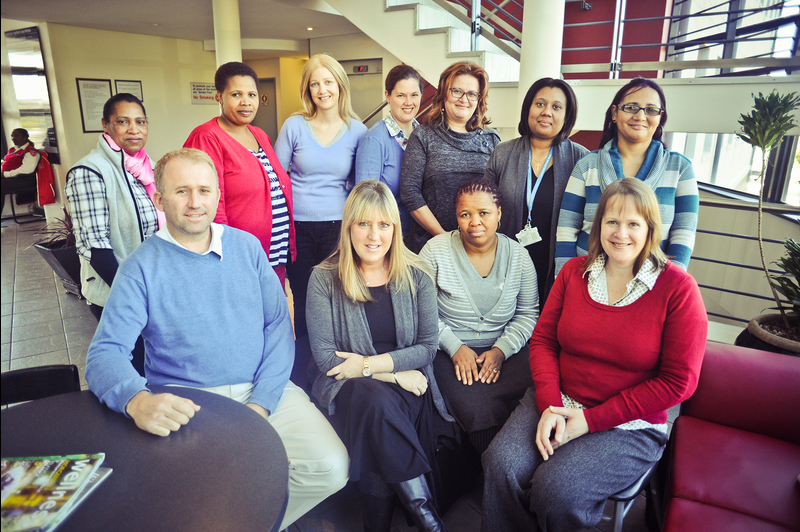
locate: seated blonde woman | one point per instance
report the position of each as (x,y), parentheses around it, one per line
(371,314)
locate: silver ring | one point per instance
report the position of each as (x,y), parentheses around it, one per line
(495,370)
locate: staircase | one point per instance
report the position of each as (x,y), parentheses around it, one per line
(430,35)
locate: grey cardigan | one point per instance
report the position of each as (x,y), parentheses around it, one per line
(336,323)
(508,167)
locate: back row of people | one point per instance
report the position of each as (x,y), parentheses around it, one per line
(487,287)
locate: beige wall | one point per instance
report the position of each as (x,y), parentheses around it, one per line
(165,66)
(287,73)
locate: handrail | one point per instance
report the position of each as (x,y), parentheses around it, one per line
(772,209)
(375,111)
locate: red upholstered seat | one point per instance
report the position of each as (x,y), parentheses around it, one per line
(732,469)
(734,452)
(690,516)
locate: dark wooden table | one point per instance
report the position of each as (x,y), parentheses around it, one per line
(225,470)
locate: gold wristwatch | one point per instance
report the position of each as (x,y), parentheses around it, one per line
(366,371)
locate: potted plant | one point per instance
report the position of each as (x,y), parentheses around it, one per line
(764,127)
(771,328)
(57,247)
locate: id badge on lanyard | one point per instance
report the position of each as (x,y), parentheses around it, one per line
(530,235)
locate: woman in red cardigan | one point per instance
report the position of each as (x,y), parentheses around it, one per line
(256,193)
(620,340)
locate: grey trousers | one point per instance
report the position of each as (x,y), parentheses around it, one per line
(567,492)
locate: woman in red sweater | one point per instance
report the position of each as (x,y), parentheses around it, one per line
(256,193)
(620,340)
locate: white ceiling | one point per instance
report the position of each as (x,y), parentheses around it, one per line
(187,19)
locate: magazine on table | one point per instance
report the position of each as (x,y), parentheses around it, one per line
(38,493)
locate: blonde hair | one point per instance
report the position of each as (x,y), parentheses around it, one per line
(190,154)
(365,200)
(325,61)
(436,114)
(646,204)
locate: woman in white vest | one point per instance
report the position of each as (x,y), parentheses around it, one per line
(110,195)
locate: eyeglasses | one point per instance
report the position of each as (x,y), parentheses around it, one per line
(632,108)
(458,93)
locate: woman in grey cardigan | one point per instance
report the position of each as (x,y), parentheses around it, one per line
(531,205)
(371,314)
(488,305)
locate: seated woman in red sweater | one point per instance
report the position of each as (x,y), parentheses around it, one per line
(620,340)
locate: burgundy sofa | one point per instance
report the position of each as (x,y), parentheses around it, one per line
(734,453)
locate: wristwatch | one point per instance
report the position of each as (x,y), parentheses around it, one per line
(366,371)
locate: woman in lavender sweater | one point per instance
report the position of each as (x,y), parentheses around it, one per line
(317,147)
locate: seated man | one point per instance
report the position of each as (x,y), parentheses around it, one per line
(213,324)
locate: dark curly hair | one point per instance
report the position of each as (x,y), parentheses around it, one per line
(231,70)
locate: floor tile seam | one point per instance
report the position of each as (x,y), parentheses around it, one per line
(13,358)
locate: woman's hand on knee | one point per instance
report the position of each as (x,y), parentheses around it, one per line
(351,368)
(465,361)
(548,423)
(412,381)
(568,424)
(490,362)
(576,423)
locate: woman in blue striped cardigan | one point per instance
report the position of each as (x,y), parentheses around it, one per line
(631,146)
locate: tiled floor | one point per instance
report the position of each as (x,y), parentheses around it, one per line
(42,324)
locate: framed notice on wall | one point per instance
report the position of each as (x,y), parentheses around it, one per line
(92,95)
(129,86)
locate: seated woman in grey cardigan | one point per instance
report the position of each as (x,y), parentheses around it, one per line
(488,305)
(371,314)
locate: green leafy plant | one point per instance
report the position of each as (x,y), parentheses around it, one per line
(57,234)
(788,284)
(764,127)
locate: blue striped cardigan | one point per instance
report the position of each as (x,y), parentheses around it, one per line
(669,174)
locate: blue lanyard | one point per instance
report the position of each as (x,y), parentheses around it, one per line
(532,194)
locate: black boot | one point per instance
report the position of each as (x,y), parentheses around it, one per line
(416,496)
(377,513)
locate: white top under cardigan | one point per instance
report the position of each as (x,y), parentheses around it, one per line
(464,320)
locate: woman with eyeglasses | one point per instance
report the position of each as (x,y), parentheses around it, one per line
(631,146)
(452,147)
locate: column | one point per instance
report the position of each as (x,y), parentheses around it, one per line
(227,31)
(542,36)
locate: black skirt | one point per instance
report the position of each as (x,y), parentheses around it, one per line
(483,406)
(387,431)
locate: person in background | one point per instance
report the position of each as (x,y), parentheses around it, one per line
(19,165)
(488,305)
(218,325)
(620,341)
(110,195)
(452,147)
(372,323)
(532,172)
(256,194)
(631,146)
(318,148)
(380,153)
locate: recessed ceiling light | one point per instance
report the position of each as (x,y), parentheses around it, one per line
(309,29)
(156,24)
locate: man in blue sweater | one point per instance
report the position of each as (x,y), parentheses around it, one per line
(218,325)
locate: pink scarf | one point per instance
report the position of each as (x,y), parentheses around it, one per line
(139,166)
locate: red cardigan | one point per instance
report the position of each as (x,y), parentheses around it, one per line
(245,201)
(621,363)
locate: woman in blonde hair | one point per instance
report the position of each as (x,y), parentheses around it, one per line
(620,340)
(372,323)
(452,147)
(317,147)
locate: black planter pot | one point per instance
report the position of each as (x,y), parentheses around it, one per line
(65,262)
